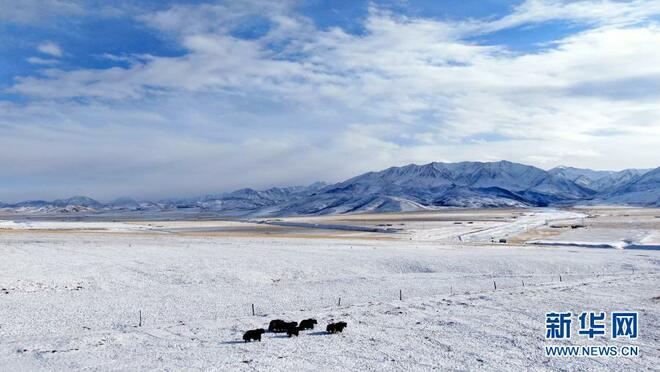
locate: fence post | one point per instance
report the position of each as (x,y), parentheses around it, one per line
(494,285)
(523,282)
(253,309)
(400,295)
(559,277)
(140,324)
(339,302)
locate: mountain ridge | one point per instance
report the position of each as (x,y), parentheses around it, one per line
(409,187)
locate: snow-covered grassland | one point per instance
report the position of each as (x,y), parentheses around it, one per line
(70,299)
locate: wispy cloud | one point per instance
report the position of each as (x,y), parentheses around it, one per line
(301,103)
(42,61)
(28,11)
(595,12)
(50,48)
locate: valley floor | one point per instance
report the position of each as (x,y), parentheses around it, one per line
(71,298)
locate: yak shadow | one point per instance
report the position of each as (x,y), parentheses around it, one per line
(317,333)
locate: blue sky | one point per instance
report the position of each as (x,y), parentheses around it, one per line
(88,35)
(173,98)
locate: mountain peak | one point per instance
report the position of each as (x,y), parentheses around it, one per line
(409,187)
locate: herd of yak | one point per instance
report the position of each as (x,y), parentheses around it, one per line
(291,328)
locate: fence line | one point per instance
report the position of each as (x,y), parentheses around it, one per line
(453,290)
(453,286)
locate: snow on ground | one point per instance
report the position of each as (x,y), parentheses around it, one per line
(523,222)
(614,238)
(653,237)
(70,301)
(487,231)
(622,228)
(70,225)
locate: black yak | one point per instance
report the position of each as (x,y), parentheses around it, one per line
(307,324)
(292,331)
(289,325)
(279,325)
(336,327)
(254,334)
(275,325)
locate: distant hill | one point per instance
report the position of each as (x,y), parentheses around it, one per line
(599,181)
(642,190)
(408,188)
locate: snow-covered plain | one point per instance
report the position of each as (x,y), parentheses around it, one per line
(70,300)
(621,228)
(71,225)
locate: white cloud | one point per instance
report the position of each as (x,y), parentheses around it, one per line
(28,11)
(42,61)
(50,48)
(221,17)
(328,104)
(594,12)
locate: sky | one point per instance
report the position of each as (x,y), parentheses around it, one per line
(155,99)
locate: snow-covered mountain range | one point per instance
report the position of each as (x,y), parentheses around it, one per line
(600,181)
(408,188)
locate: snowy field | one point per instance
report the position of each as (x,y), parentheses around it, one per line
(621,228)
(70,296)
